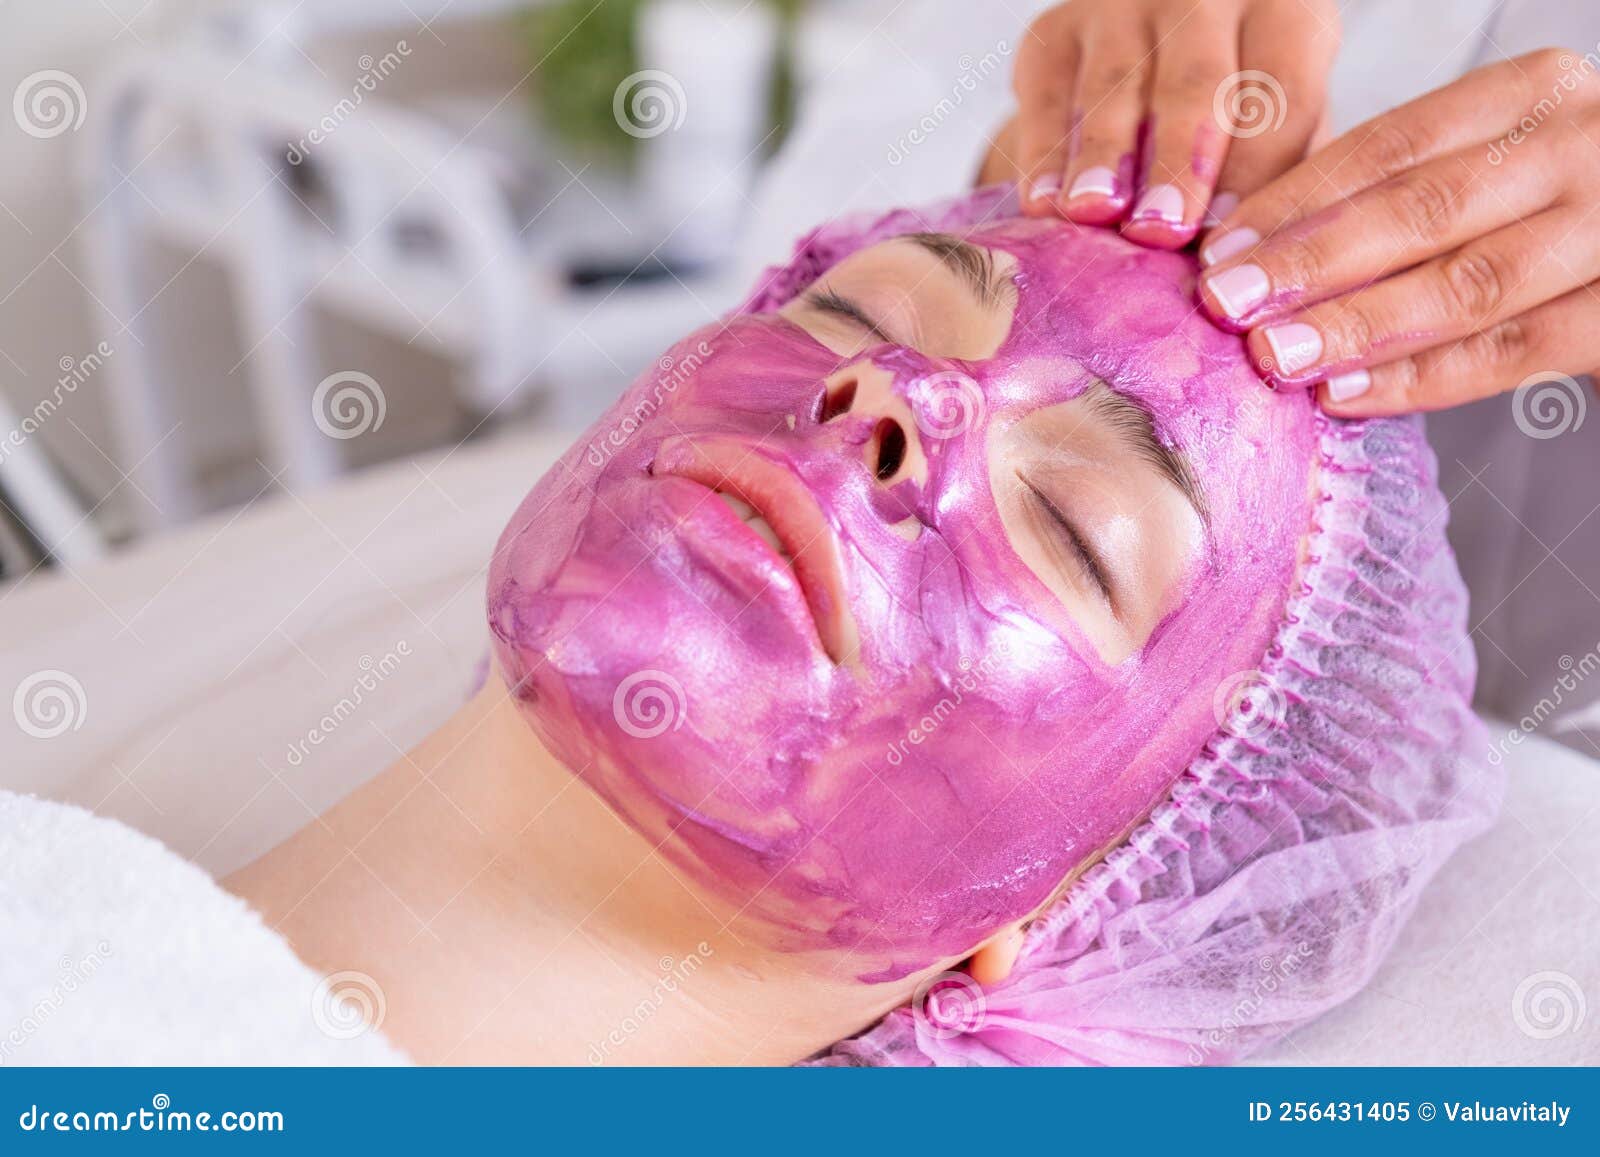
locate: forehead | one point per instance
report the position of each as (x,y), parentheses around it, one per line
(1125,315)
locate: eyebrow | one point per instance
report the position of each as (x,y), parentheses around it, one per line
(973,264)
(1136,426)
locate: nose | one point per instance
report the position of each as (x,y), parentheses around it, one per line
(865,392)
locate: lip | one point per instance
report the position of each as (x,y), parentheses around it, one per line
(731,467)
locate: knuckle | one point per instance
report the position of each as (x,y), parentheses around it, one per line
(1123,78)
(1391,147)
(1424,205)
(1546,64)
(1403,376)
(1583,80)
(1190,80)
(1354,330)
(1574,162)
(1504,344)
(1035,85)
(1301,261)
(1472,283)
(1045,108)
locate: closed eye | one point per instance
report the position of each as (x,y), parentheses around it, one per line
(827,301)
(1068,536)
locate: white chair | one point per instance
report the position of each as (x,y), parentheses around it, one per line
(194,149)
(35,494)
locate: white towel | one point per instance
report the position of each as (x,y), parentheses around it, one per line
(116,951)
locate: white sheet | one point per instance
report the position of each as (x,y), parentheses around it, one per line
(205,656)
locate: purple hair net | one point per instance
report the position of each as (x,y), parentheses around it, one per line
(1271,881)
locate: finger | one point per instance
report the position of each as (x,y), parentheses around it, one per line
(1419,215)
(1186,145)
(1479,109)
(1535,351)
(1045,80)
(1110,110)
(1275,105)
(1474,288)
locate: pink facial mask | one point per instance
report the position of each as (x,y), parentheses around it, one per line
(904,805)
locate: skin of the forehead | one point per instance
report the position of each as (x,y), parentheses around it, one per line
(775,782)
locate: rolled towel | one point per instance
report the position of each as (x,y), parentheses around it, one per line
(119,952)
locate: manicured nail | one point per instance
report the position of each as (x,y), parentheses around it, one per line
(1162,202)
(1343,387)
(1233,242)
(1044,188)
(1295,346)
(1096,182)
(1239,290)
(1221,205)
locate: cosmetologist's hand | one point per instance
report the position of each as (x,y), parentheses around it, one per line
(1442,252)
(1219,96)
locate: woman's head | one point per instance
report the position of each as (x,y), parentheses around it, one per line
(887,603)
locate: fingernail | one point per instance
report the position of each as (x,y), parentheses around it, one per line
(1044,188)
(1343,387)
(1295,346)
(1163,202)
(1221,205)
(1239,290)
(1096,182)
(1232,242)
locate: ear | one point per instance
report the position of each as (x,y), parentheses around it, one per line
(994,958)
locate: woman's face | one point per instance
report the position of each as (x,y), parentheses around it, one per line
(882,612)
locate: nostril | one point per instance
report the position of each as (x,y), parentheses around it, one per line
(887,449)
(836,399)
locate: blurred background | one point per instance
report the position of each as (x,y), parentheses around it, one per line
(249,246)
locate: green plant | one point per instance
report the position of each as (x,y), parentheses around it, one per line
(581,50)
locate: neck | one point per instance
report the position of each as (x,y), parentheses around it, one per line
(509,917)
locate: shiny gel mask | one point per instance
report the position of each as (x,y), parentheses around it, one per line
(881,644)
